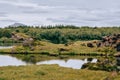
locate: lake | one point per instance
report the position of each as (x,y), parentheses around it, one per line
(6,47)
(6,60)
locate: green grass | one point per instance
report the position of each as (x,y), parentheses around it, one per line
(46,48)
(50,48)
(50,72)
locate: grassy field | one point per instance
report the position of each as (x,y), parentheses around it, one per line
(50,48)
(52,72)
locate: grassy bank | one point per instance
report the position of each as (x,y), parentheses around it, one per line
(51,72)
(44,50)
(45,47)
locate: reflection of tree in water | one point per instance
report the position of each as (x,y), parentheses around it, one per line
(89,59)
(30,59)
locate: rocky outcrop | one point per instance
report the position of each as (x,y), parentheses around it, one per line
(24,39)
(90,45)
(108,41)
(19,36)
(28,42)
(118,47)
(111,41)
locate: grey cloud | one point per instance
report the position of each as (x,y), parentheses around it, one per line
(25,7)
(77,12)
(35,11)
(72,22)
(8,20)
(8,8)
(65,20)
(3,14)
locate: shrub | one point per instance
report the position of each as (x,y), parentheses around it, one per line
(72,53)
(40,73)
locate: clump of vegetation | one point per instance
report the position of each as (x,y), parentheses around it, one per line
(45,53)
(108,64)
(72,53)
(40,73)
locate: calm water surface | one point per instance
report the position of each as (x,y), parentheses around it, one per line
(70,63)
(6,60)
(6,47)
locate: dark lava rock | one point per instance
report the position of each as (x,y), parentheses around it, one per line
(110,41)
(90,45)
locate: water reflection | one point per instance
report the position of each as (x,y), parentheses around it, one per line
(6,47)
(71,63)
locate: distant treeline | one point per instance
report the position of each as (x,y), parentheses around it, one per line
(60,33)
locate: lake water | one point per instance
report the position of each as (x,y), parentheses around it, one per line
(6,47)
(70,63)
(6,60)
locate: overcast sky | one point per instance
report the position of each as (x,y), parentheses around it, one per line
(67,12)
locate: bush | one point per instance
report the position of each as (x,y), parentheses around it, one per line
(72,53)
(40,73)
(45,53)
